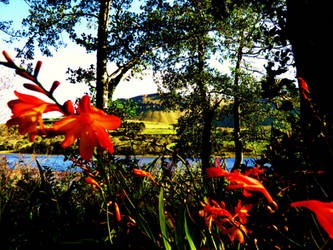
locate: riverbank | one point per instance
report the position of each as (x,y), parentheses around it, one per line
(150,142)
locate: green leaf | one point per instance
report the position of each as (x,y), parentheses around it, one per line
(171,145)
(180,230)
(162,221)
(187,233)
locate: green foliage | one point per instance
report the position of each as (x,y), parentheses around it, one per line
(124,110)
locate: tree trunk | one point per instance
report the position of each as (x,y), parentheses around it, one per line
(237,135)
(308,25)
(206,144)
(102,58)
(236,113)
(207,112)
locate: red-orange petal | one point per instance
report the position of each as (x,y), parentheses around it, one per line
(143,173)
(110,122)
(87,144)
(84,104)
(28,98)
(323,212)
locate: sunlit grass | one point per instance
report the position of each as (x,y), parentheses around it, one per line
(158,128)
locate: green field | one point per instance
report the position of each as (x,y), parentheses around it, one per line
(156,128)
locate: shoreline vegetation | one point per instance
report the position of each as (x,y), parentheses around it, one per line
(150,141)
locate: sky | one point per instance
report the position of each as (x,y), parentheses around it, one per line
(54,68)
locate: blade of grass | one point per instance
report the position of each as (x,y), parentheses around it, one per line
(187,233)
(180,230)
(162,221)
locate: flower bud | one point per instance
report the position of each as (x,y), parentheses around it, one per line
(54,86)
(8,58)
(92,182)
(37,68)
(116,207)
(69,108)
(34,87)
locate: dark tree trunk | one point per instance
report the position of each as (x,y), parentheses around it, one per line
(236,113)
(207,112)
(101,68)
(237,135)
(206,143)
(308,30)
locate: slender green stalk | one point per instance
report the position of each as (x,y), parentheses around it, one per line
(107,217)
(162,221)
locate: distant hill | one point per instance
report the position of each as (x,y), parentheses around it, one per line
(150,109)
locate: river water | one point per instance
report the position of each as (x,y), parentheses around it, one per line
(56,162)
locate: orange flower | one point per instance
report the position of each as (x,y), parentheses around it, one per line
(323,212)
(240,181)
(254,171)
(215,213)
(27,113)
(248,184)
(217,171)
(224,220)
(242,212)
(90,124)
(143,173)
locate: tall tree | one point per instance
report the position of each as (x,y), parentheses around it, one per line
(242,39)
(114,30)
(189,79)
(102,91)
